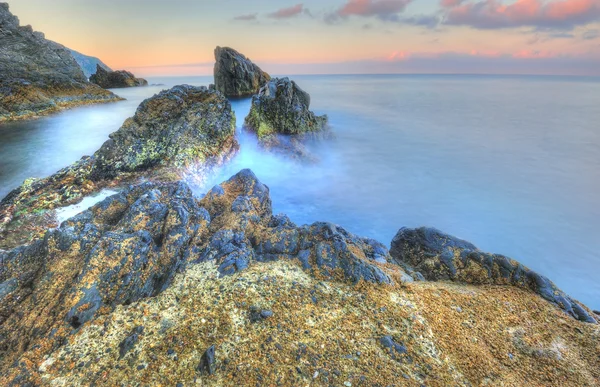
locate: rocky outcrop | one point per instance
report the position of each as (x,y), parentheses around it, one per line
(131,245)
(281,118)
(226,293)
(235,75)
(178,127)
(282,107)
(115,79)
(88,64)
(38,76)
(183,130)
(442,257)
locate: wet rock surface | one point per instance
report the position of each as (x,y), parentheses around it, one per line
(182,130)
(108,79)
(235,75)
(281,118)
(38,76)
(442,257)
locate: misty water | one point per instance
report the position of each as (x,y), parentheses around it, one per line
(509,163)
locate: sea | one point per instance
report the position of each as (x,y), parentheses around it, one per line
(509,163)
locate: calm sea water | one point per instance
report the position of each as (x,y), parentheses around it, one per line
(510,163)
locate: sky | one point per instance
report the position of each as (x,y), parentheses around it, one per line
(178,37)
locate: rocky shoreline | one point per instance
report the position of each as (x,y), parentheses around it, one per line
(38,76)
(225,292)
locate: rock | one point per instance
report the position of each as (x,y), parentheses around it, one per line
(88,64)
(256,314)
(115,79)
(282,107)
(129,342)
(184,130)
(188,269)
(280,117)
(38,76)
(235,75)
(442,257)
(393,347)
(207,361)
(130,246)
(182,126)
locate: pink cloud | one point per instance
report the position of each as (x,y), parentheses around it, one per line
(381,8)
(450,3)
(398,55)
(285,13)
(534,54)
(490,14)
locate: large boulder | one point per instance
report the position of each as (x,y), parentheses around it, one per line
(115,79)
(176,127)
(442,257)
(282,107)
(39,76)
(88,63)
(235,75)
(183,131)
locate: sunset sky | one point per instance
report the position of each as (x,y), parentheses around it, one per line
(177,37)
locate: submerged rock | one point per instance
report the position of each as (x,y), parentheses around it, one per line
(38,76)
(442,257)
(154,276)
(282,107)
(108,79)
(235,75)
(172,133)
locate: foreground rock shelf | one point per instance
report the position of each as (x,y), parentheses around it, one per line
(155,286)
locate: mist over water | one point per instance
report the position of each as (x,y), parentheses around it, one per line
(511,164)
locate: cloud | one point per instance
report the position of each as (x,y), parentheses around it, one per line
(494,14)
(252,16)
(450,3)
(591,35)
(386,10)
(286,13)
(427,21)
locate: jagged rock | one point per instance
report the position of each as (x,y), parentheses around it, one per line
(207,361)
(442,257)
(72,305)
(180,126)
(282,107)
(39,76)
(129,247)
(88,64)
(115,79)
(182,129)
(235,75)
